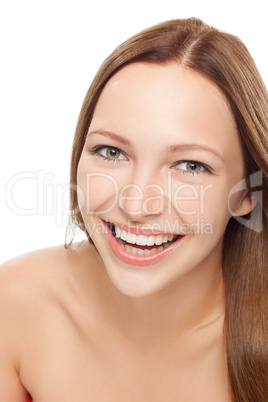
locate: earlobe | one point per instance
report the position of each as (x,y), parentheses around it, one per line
(246,204)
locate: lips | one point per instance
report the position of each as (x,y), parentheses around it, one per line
(140,249)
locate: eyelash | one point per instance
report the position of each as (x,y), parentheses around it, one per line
(205,168)
(97,149)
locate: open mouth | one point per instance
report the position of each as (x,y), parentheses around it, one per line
(141,244)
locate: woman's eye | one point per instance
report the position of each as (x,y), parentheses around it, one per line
(191,167)
(111,153)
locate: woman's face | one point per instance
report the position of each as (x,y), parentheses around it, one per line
(161,156)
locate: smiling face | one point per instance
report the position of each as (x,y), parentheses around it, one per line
(161,156)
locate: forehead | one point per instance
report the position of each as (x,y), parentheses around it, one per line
(168,101)
(162,83)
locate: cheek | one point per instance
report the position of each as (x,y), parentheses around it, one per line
(190,200)
(97,191)
(203,206)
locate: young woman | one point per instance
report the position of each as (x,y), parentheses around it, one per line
(166,300)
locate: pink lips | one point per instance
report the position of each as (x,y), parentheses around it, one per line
(140,260)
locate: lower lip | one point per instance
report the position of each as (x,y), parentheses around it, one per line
(140,260)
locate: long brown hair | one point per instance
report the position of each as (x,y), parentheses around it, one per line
(224,59)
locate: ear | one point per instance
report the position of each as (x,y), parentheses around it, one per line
(246,204)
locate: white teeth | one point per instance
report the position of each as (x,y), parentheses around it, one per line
(142,240)
(133,250)
(139,251)
(166,245)
(123,235)
(131,238)
(159,240)
(117,231)
(150,241)
(127,247)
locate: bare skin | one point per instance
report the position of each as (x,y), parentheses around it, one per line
(87,324)
(70,342)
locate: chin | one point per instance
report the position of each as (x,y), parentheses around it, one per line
(134,284)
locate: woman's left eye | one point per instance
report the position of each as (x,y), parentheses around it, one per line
(191,167)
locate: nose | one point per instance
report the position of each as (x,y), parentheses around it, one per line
(141,200)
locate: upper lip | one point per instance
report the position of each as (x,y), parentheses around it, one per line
(141,230)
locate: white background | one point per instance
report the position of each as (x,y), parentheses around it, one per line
(50,52)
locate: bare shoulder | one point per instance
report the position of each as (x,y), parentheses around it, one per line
(25,269)
(44,272)
(43,258)
(40,283)
(36,292)
(44,262)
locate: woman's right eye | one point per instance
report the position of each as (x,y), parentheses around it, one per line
(109,153)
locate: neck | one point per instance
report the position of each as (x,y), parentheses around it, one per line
(193,301)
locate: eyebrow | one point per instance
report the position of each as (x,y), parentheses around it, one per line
(194,147)
(171,148)
(111,135)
